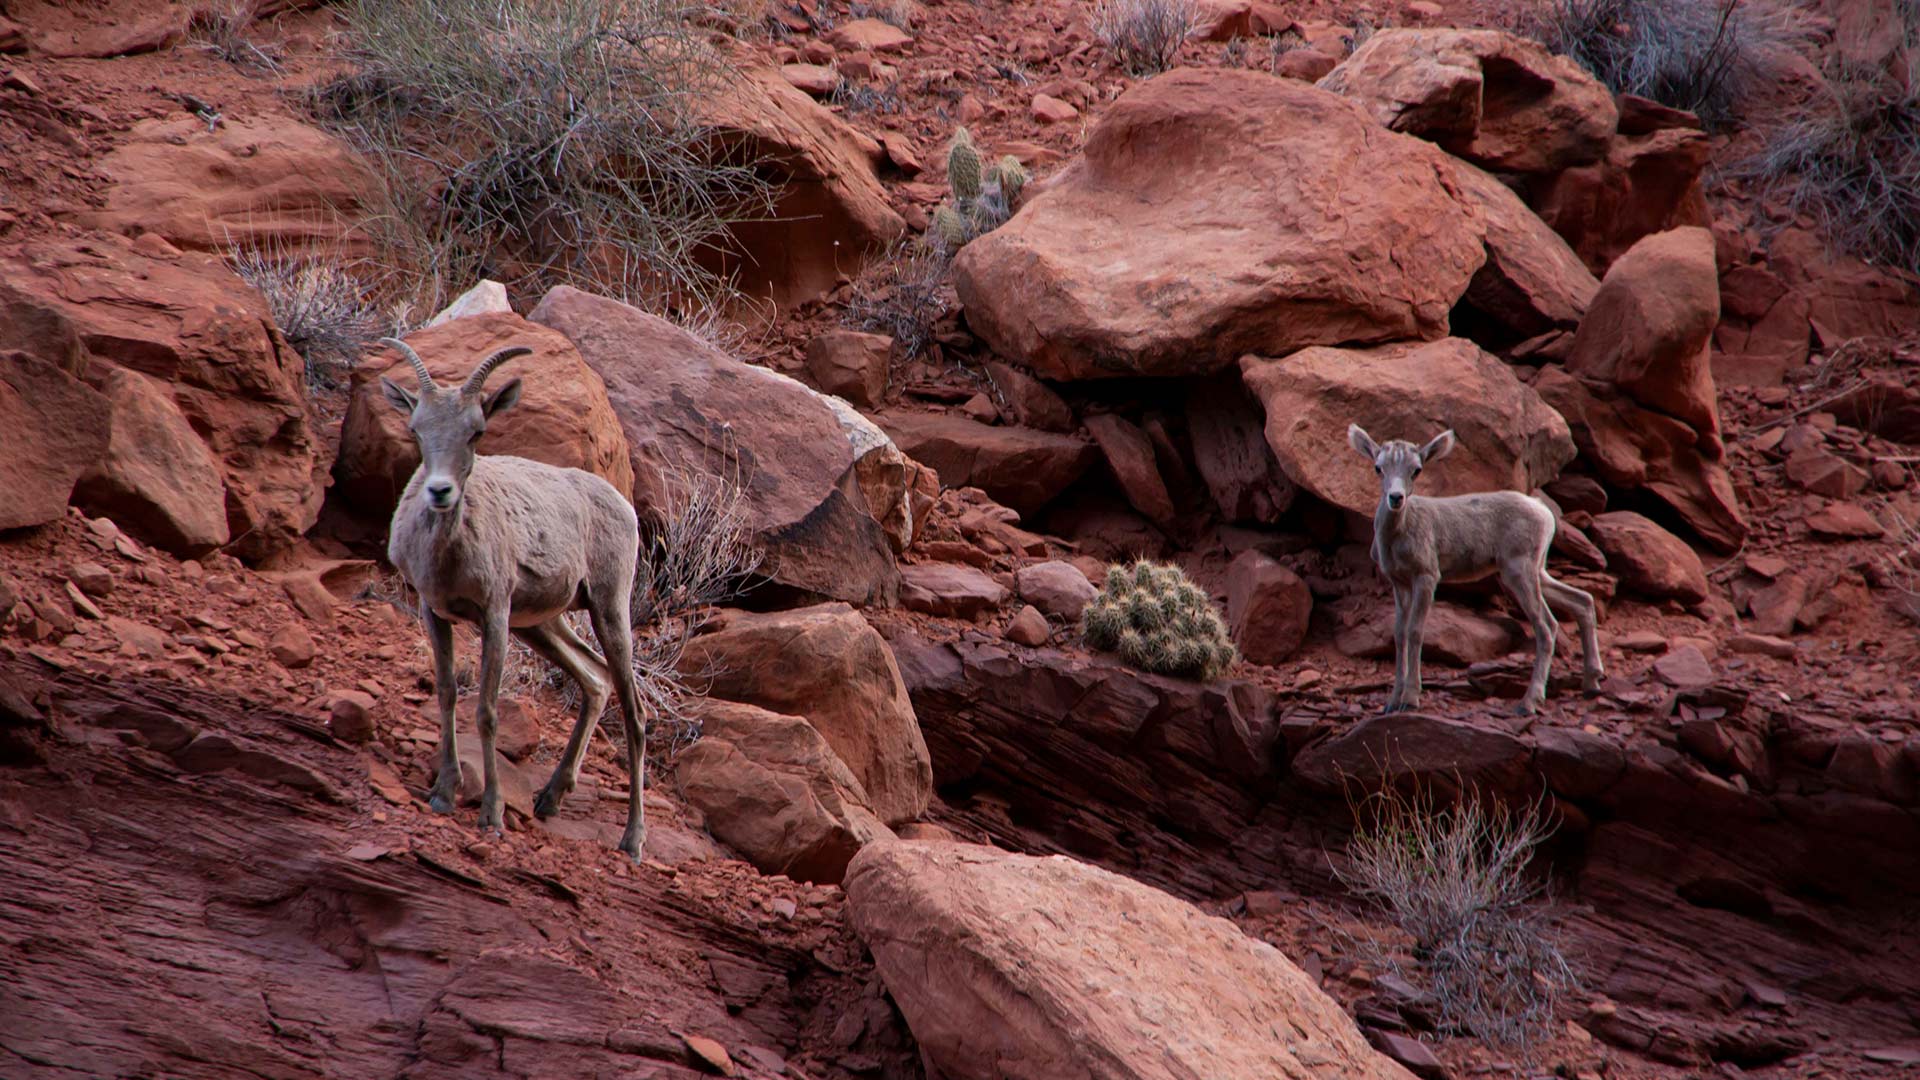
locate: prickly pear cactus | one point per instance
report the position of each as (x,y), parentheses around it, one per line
(1158,620)
(1010,176)
(949,229)
(983,197)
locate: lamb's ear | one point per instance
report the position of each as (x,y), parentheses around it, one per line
(502,399)
(1438,447)
(1362,442)
(397,395)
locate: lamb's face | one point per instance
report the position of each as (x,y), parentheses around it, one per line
(1398,463)
(447,423)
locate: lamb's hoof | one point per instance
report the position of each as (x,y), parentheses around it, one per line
(440,803)
(546,804)
(1395,707)
(1526,708)
(1591,688)
(632,845)
(492,817)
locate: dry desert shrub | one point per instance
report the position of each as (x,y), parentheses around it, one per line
(1705,56)
(1453,877)
(543,142)
(323,309)
(903,294)
(1145,35)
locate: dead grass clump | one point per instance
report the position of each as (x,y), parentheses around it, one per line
(543,142)
(221,29)
(1145,35)
(1453,878)
(1705,56)
(854,97)
(902,294)
(323,310)
(1852,161)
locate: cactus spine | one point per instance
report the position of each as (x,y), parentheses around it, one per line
(1158,620)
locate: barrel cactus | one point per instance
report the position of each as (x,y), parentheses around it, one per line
(1158,620)
(983,195)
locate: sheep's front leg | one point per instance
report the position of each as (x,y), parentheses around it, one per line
(1420,597)
(446,782)
(493,660)
(1396,700)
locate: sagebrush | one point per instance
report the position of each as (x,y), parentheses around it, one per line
(1454,877)
(1145,36)
(1705,56)
(903,294)
(545,142)
(324,310)
(1158,620)
(1851,158)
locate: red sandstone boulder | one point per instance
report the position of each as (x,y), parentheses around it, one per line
(1034,403)
(1492,98)
(1130,458)
(1764,329)
(1647,184)
(1532,281)
(826,664)
(1011,965)
(1648,559)
(563,418)
(266,182)
(1454,635)
(831,211)
(850,364)
(1650,325)
(1057,588)
(56,429)
(773,790)
(157,480)
(1260,216)
(190,323)
(1846,298)
(1018,467)
(1268,607)
(685,405)
(1508,437)
(947,589)
(1226,426)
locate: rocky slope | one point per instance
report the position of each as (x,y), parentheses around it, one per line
(216,730)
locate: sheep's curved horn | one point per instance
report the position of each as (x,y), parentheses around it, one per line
(479,376)
(419,365)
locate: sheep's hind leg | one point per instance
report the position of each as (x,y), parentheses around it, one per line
(557,642)
(616,640)
(1527,592)
(446,782)
(1578,604)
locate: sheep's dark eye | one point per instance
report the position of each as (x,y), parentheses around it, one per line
(475,438)
(1376,470)
(1416,470)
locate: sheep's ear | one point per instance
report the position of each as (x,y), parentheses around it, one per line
(1362,442)
(397,395)
(502,399)
(1440,446)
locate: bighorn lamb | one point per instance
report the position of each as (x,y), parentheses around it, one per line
(512,545)
(1419,542)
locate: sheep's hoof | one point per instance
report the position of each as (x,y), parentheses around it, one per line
(632,845)
(1591,687)
(1526,708)
(440,804)
(491,816)
(546,804)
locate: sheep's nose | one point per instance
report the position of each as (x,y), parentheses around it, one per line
(1395,501)
(440,491)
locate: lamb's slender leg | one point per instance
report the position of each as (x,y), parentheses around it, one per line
(616,641)
(1578,604)
(1420,593)
(446,782)
(1402,605)
(1524,584)
(556,641)
(493,661)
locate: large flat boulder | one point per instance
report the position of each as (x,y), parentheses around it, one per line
(826,664)
(686,406)
(1647,183)
(1492,98)
(187,321)
(773,790)
(1260,216)
(254,182)
(563,418)
(1017,967)
(56,430)
(1020,467)
(831,210)
(1508,438)
(157,480)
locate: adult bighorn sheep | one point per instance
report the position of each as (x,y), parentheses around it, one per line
(512,545)
(1418,542)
